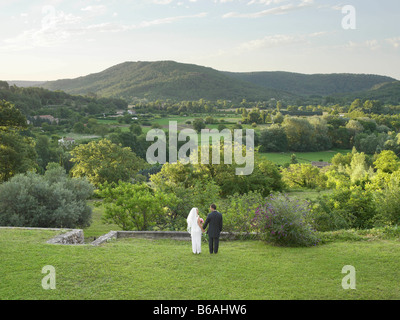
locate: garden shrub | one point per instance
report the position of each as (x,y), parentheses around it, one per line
(239,211)
(284,221)
(50,201)
(388,202)
(346,208)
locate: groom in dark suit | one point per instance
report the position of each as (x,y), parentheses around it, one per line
(214,219)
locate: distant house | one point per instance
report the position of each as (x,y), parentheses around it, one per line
(320,164)
(66,142)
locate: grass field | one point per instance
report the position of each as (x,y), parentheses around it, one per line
(166,269)
(302,157)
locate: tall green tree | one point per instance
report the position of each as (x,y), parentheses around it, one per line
(300,134)
(11,118)
(103,161)
(303,176)
(261,179)
(135,206)
(17,153)
(273,139)
(191,187)
(387,161)
(198,124)
(46,153)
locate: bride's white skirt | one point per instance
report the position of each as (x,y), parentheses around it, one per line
(196,242)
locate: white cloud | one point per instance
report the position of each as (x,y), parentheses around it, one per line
(95,10)
(265,2)
(283,9)
(365,45)
(168,20)
(278,40)
(270,41)
(56,27)
(162,1)
(114,27)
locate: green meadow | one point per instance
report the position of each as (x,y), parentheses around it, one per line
(166,269)
(302,157)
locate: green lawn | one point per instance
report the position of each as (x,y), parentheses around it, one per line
(302,157)
(97,226)
(166,269)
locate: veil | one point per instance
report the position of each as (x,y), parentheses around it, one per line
(192,220)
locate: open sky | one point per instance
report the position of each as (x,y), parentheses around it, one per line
(57,39)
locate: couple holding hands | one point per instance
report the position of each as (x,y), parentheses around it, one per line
(196,227)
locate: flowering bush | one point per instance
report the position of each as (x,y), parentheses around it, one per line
(283,221)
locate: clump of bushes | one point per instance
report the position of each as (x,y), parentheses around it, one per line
(285,221)
(357,208)
(50,201)
(239,211)
(345,209)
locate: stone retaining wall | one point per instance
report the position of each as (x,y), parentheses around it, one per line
(72,237)
(105,238)
(76,236)
(175,235)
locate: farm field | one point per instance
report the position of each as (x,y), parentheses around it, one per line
(302,157)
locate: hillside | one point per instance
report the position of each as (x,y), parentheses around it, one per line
(32,101)
(388,93)
(179,81)
(165,80)
(315,84)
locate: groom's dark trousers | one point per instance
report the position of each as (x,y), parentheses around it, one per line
(214,220)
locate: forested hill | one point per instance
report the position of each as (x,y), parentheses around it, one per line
(314,84)
(163,80)
(179,81)
(386,93)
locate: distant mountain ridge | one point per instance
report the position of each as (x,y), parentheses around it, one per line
(179,81)
(25,84)
(313,84)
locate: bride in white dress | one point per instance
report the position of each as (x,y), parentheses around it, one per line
(195,230)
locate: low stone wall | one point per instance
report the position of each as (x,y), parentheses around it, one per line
(72,237)
(76,236)
(174,235)
(105,238)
